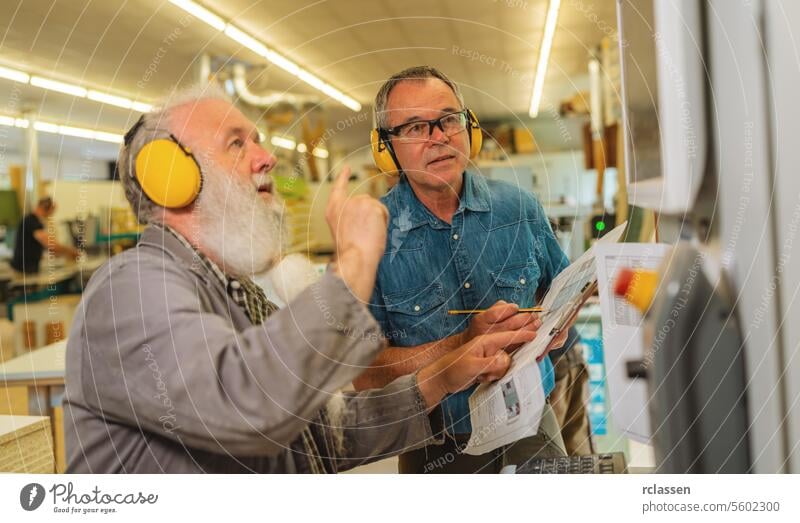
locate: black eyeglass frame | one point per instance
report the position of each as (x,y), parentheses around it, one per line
(436,122)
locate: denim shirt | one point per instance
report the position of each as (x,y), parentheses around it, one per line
(498,247)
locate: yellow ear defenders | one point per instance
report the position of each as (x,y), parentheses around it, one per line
(384,156)
(166,171)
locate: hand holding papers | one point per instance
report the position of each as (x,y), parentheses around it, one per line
(511,408)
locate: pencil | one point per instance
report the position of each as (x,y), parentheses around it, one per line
(478,311)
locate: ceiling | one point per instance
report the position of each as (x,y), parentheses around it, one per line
(144,48)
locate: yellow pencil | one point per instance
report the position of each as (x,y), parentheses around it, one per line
(478,311)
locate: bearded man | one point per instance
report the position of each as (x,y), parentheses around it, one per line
(177,362)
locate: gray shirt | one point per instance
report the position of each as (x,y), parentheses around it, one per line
(166,374)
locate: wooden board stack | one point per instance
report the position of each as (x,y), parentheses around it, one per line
(26,445)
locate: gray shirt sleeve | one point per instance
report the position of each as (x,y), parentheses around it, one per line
(151,355)
(379,423)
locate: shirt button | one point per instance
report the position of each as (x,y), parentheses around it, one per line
(455,236)
(416,308)
(522,281)
(467,285)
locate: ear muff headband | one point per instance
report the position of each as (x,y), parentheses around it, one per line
(475,135)
(384,156)
(167,172)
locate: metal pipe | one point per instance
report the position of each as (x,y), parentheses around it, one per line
(33,171)
(269,98)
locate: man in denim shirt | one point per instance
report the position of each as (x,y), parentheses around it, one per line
(456,241)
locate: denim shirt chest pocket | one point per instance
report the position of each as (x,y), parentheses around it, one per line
(516,282)
(405,253)
(416,313)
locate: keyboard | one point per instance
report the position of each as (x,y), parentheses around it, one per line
(613,463)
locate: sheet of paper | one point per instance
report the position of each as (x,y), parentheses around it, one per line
(622,334)
(511,408)
(507,410)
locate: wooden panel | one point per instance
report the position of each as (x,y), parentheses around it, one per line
(14,400)
(26,445)
(8,342)
(58,440)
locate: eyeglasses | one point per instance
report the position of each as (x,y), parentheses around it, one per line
(450,124)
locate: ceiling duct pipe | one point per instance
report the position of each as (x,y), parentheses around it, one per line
(269,98)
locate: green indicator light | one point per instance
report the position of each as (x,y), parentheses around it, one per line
(600,226)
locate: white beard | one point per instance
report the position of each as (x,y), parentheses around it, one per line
(236,227)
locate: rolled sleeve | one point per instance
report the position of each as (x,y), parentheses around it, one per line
(379,423)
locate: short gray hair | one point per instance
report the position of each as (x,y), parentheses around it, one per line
(380,116)
(152,126)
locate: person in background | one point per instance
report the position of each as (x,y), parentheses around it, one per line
(33,239)
(455,241)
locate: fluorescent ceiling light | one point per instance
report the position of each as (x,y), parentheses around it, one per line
(61,87)
(283,62)
(350,103)
(286,143)
(13,74)
(65,130)
(544,56)
(46,127)
(74,90)
(141,107)
(110,99)
(119,101)
(261,49)
(77,132)
(246,40)
(311,79)
(107,137)
(200,12)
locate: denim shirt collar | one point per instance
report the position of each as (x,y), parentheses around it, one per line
(474,197)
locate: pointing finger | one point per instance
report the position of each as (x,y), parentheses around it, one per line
(339,189)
